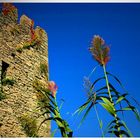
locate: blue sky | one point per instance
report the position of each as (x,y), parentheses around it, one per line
(70,28)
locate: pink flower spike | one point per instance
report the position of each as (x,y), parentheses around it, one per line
(52,87)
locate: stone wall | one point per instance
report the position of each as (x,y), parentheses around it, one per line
(23,55)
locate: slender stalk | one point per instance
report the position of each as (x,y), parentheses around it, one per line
(109,93)
(94,105)
(97,115)
(99,121)
(93,70)
(107,84)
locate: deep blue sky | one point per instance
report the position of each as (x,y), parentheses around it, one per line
(70,28)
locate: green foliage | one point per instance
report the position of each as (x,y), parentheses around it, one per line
(28,45)
(119,102)
(7,81)
(19,50)
(49,105)
(43,68)
(2,96)
(107,95)
(29,125)
(108,105)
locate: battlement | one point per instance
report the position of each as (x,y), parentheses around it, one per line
(9,13)
(9,22)
(22,50)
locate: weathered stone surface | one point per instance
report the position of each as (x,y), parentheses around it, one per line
(23,69)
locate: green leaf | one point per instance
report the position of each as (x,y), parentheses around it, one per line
(62,101)
(122,123)
(86,113)
(70,134)
(129,132)
(108,126)
(126,108)
(101,78)
(51,108)
(102,93)
(59,122)
(115,77)
(116,126)
(108,108)
(64,127)
(53,133)
(82,107)
(133,109)
(47,92)
(48,119)
(48,96)
(119,99)
(101,124)
(68,129)
(117,94)
(98,98)
(103,88)
(135,101)
(122,132)
(92,86)
(113,89)
(137,114)
(107,102)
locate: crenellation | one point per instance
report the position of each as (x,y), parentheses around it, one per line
(25,22)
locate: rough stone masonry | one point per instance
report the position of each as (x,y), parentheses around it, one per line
(22,50)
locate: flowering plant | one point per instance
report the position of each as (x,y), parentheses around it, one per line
(100,50)
(108,96)
(48,104)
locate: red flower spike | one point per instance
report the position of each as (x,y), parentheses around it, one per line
(99,50)
(52,87)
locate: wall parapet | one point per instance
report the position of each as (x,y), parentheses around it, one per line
(22,50)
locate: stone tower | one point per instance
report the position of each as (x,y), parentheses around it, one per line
(23,50)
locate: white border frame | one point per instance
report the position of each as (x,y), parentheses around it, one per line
(73,1)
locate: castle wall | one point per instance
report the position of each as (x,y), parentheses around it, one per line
(23,68)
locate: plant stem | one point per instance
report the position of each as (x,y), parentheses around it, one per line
(109,93)
(107,84)
(93,70)
(99,121)
(94,105)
